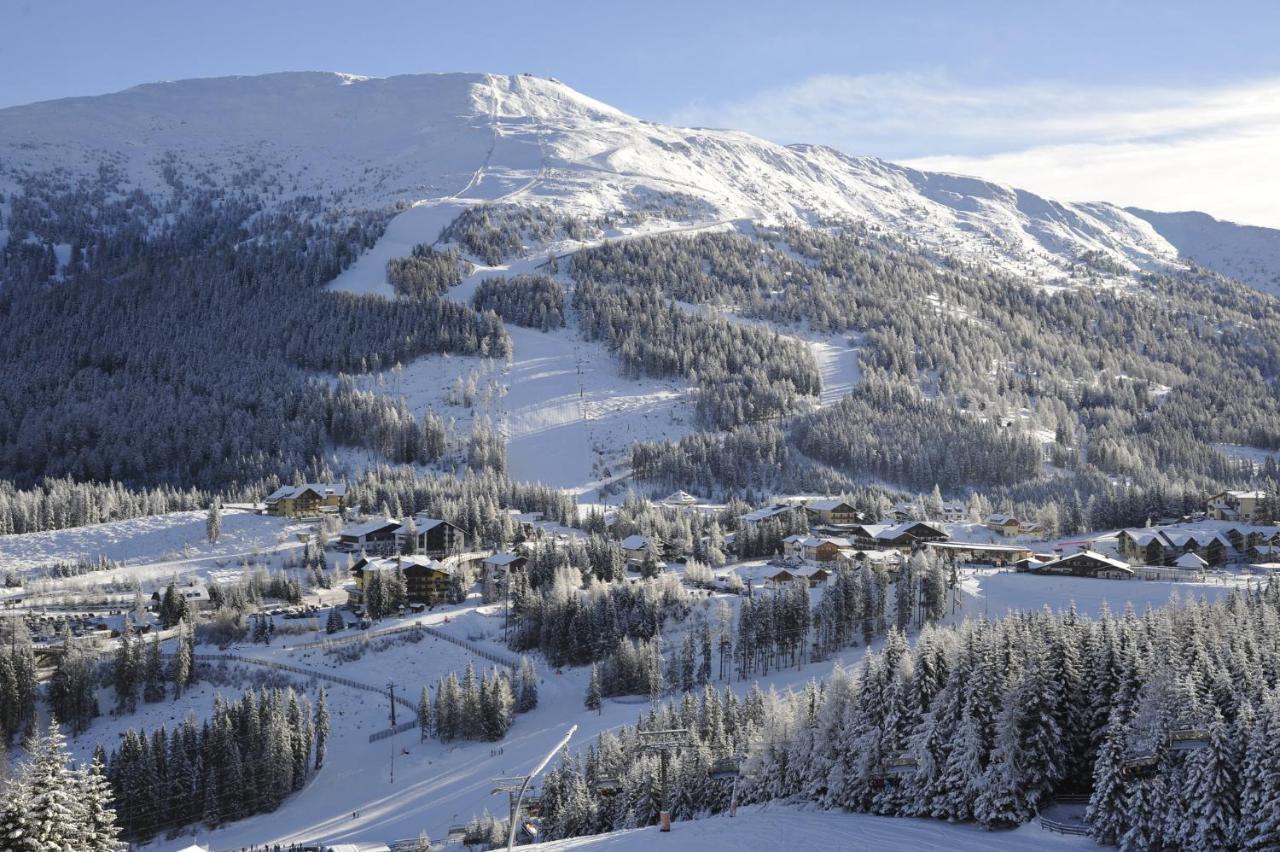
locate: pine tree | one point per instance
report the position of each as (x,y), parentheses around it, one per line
(594,700)
(53,797)
(1106,811)
(153,686)
(322,728)
(424,714)
(99,831)
(1211,791)
(213,524)
(527,699)
(334,622)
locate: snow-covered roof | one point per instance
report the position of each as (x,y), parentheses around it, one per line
(1000,519)
(894,531)
(324,489)
(502,559)
(794,538)
(635,542)
(767,512)
(1092,554)
(376,525)
(679,498)
(423,523)
(826,505)
(1142,537)
(1192,561)
(1181,538)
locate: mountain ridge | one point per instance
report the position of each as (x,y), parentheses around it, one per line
(374,142)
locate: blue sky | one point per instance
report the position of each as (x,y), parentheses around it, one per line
(1082,100)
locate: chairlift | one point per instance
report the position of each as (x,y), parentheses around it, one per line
(902,763)
(1138,765)
(457,833)
(608,786)
(1188,739)
(725,768)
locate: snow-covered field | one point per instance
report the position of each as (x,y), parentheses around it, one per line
(779,827)
(172,542)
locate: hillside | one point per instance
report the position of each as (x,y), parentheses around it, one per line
(196,277)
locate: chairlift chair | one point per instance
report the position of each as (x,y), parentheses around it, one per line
(608,786)
(725,768)
(457,833)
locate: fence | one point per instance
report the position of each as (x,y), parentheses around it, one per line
(1073,828)
(391,732)
(285,667)
(495,658)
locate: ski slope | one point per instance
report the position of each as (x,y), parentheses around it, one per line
(781,827)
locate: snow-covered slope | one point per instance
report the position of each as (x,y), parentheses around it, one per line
(1244,252)
(373,142)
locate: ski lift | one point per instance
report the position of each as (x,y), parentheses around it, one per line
(902,763)
(1188,739)
(725,768)
(533,805)
(608,786)
(1138,766)
(457,833)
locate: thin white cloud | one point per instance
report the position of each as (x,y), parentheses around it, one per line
(1215,149)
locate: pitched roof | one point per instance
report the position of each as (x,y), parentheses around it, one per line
(376,525)
(767,512)
(826,505)
(501,559)
(635,542)
(1191,560)
(1092,554)
(1000,518)
(322,488)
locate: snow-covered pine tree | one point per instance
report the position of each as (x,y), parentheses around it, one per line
(594,699)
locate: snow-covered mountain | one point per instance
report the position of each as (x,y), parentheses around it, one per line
(377,141)
(1246,253)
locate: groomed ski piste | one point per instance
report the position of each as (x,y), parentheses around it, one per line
(778,827)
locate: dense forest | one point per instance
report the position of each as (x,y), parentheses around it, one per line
(173,344)
(1166,721)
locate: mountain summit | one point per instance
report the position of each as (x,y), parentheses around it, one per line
(372,142)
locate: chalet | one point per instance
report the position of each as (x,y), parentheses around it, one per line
(831,512)
(817,576)
(793,545)
(1144,546)
(1087,563)
(890,560)
(1004,524)
(679,498)
(1236,505)
(373,537)
(311,498)
(816,549)
(426,536)
(954,512)
(635,547)
(910,535)
(782,577)
(504,563)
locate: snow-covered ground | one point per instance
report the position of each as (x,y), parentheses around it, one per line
(172,542)
(781,827)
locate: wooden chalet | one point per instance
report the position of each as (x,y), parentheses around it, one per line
(828,511)
(1087,563)
(311,498)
